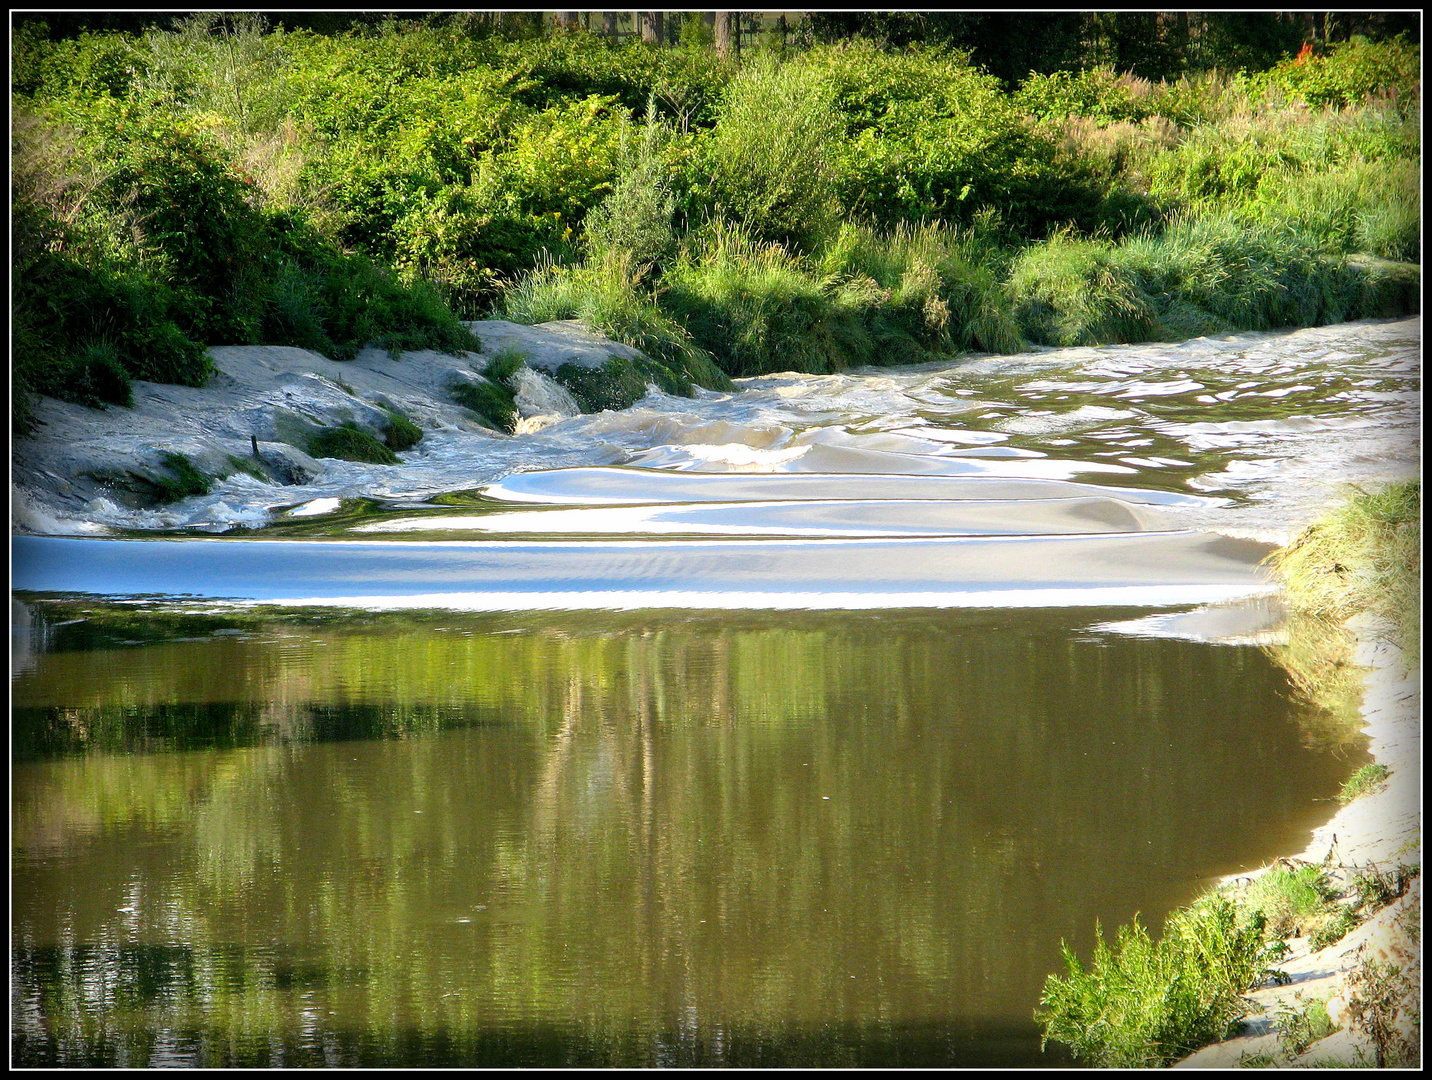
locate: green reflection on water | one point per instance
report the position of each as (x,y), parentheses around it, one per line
(646,838)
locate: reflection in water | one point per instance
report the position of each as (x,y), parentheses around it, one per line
(653,839)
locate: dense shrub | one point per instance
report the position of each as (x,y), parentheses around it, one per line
(1351,71)
(635,220)
(224,181)
(1098,93)
(768,160)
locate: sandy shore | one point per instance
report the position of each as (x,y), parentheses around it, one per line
(1382,829)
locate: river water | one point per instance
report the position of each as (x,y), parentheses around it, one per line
(792,726)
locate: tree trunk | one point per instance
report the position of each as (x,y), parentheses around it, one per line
(723,34)
(653,27)
(609,24)
(567,20)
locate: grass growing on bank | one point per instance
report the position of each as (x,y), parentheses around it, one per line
(350,444)
(1364,556)
(1366,780)
(1147,1002)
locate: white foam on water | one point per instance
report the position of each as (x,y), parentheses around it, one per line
(804,518)
(631,600)
(604,486)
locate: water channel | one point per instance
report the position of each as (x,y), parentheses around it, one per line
(792,726)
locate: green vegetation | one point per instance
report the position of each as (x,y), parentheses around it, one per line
(1298,1029)
(869,190)
(350,444)
(1364,556)
(1291,902)
(187,479)
(1146,1003)
(1149,1002)
(494,402)
(401,433)
(1367,779)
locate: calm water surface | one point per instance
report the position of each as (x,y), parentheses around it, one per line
(661,838)
(280,835)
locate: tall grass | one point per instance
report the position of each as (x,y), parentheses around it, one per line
(607,296)
(1364,556)
(1072,291)
(757,308)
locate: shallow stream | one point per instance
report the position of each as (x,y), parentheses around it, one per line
(792,726)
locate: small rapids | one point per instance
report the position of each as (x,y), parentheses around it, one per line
(1074,476)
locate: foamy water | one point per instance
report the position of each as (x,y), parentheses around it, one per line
(1134,447)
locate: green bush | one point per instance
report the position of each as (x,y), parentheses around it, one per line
(1146,1003)
(96,377)
(931,285)
(769,158)
(187,480)
(493,401)
(1353,70)
(365,303)
(1079,292)
(754,308)
(635,219)
(930,136)
(1097,93)
(606,297)
(1290,901)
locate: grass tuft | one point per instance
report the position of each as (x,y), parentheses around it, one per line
(1363,782)
(1290,901)
(187,479)
(401,433)
(1146,1003)
(494,402)
(350,444)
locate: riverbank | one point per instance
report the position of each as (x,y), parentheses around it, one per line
(1379,831)
(84,469)
(1328,939)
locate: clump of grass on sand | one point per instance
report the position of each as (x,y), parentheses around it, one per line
(1367,779)
(1362,557)
(1145,1002)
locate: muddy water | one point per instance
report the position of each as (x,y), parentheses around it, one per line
(898,702)
(780,838)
